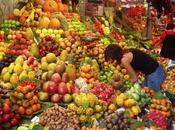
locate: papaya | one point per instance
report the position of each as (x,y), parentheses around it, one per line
(71,70)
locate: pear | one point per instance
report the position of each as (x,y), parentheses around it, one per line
(19,59)
(34,50)
(29,33)
(51,67)
(23,75)
(18,68)
(51,57)
(14,78)
(44,66)
(31,74)
(46,128)
(43,59)
(4,70)
(11,67)
(8,86)
(6,77)
(25,66)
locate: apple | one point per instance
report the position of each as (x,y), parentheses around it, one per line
(43,96)
(45,86)
(67,98)
(52,88)
(55,98)
(6,109)
(62,88)
(50,31)
(5,117)
(56,78)
(23,40)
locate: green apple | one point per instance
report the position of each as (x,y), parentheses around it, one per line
(42,35)
(38,31)
(55,31)
(50,31)
(52,35)
(44,31)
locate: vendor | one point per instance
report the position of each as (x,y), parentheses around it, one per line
(135,60)
(168,42)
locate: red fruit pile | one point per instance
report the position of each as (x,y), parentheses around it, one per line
(158,118)
(98,27)
(8,118)
(19,44)
(1,37)
(104,92)
(48,45)
(118,36)
(30,83)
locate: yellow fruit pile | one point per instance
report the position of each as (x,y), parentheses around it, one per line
(129,104)
(3,47)
(16,71)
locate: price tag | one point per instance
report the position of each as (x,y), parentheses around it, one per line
(95,123)
(81,83)
(120,110)
(147,128)
(70,128)
(35,119)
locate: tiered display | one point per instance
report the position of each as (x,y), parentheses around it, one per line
(53,67)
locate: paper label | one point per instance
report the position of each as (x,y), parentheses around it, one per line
(35,119)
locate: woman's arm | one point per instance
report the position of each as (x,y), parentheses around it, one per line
(126,64)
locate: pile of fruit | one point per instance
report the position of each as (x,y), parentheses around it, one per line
(52,65)
(158,118)
(131,105)
(8,118)
(169,83)
(59,118)
(87,107)
(104,92)
(161,105)
(138,94)
(24,99)
(116,121)
(19,44)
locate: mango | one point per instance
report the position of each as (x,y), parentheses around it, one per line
(71,70)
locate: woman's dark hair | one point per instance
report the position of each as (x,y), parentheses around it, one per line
(113,52)
(170,26)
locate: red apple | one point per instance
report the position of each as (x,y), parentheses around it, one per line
(67,98)
(18,36)
(56,78)
(6,117)
(62,88)
(23,41)
(56,98)
(6,109)
(52,88)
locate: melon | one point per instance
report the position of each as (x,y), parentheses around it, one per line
(44,22)
(50,6)
(54,23)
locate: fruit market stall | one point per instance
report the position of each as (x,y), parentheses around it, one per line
(54,75)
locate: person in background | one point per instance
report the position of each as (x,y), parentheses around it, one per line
(167,39)
(135,60)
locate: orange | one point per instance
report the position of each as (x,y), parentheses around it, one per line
(38,106)
(34,107)
(15,94)
(25,104)
(29,111)
(163,102)
(35,98)
(168,113)
(21,110)
(29,95)
(24,90)
(18,88)
(88,75)
(158,107)
(31,102)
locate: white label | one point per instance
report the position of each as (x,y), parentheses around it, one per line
(70,128)
(35,119)
(95,123)
(81,82)
(120,110)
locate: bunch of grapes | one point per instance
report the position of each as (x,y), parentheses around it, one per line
(8,58)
